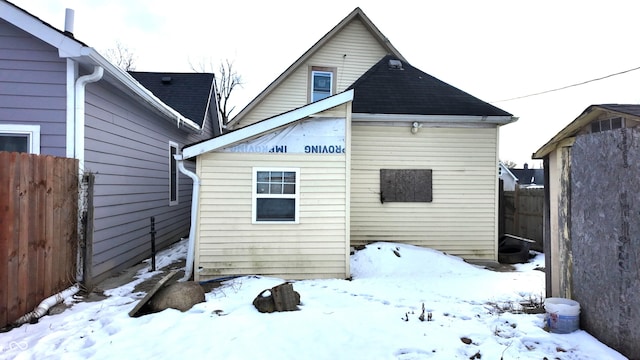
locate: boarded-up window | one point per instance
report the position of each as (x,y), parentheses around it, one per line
(405,185)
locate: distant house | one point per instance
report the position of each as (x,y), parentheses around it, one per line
(592,226)
(509,180)
(529,178)
(521,178)
(190,94)
(60,97)
(350,145)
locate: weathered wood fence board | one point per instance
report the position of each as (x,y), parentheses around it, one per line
(523,214)
(38,230)
(603,242)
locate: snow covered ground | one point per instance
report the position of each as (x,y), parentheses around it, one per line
(374,316)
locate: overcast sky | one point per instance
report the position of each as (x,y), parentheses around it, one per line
(492,49)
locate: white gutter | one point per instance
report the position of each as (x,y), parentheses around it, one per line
(81,83)
(78,136)
(188,271)
(500,120)
(133,85)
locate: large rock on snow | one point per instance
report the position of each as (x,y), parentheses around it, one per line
(181,296)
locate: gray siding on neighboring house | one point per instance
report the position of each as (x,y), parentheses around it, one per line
(127,147)
(33,87)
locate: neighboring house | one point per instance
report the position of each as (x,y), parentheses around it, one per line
(529,178)
(60,97)
(190,94)
(509,181)
(591,226)
(523,178)
(373,150)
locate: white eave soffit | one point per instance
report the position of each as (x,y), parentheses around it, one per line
(267,125)
(439,119)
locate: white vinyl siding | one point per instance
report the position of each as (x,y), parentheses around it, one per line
(460,220)
(228,243)
(355,41)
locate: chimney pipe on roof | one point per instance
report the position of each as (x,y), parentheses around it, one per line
(69,15)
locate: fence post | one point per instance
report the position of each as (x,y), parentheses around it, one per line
(153,243)
(501,212)
(516,210)
(87,221)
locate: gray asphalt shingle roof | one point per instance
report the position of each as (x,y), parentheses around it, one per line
(630,109)
(384,89)
(187,93)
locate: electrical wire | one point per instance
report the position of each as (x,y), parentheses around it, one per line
(567,87)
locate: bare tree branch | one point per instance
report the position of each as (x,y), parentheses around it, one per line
(226,80)
(510,164)
(121,56)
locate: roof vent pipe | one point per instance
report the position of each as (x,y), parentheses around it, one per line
(69,15)
(395,64)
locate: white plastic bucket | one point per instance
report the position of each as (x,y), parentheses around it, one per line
(563,315)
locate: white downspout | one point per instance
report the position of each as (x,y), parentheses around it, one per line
(194,216)
(78,146)
(79,111)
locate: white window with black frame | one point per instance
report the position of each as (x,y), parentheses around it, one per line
(322,83)
(276,195)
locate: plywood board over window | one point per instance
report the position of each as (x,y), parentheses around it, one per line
(405,185)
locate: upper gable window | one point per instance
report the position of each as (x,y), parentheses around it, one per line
(322,81)
(607,124)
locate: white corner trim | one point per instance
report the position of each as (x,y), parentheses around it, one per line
(72,71)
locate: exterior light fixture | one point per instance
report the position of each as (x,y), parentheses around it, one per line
(415,126)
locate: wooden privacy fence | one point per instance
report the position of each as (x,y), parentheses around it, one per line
(523,214)
(38,230)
